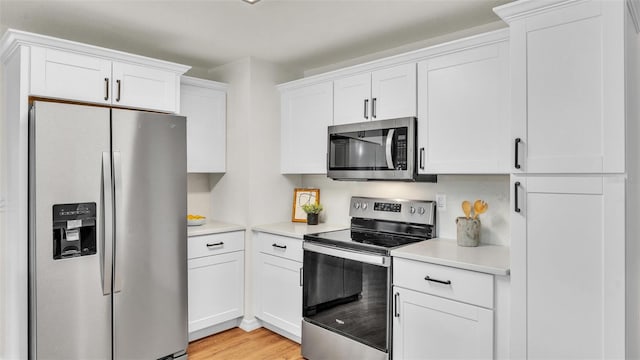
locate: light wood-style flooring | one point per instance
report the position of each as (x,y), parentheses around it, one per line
(236,344)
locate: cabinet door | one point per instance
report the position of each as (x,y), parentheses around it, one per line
(393,92)
(430,327)
(145,88)
(463,111)
(66,75)
(280,293)
(568,256)
(568,89)
(306,114)
(352,99)
(205,110)
(216,289)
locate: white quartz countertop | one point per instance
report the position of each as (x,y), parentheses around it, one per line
(297,230)
(492,259)
(213,227)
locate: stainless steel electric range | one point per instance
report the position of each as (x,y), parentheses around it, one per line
(347,278)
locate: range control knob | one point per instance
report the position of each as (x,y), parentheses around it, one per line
(356,205)
(421,211)
(364,206)
(412,210)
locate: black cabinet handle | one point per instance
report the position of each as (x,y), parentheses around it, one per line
(516,185)
(279,246)
(301,276)
(366,108)
(215,244)
(119,86)
(373,107)
(395,305)
(422,158)
(516,163)
(446,282)
(106,88)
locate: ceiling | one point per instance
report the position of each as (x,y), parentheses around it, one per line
(301,34)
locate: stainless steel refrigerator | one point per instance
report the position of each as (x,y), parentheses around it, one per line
(107,233)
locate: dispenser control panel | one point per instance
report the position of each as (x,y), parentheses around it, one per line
(74,230)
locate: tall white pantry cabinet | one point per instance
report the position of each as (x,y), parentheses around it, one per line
(574,178)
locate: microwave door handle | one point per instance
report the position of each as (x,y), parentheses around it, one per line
(388,149)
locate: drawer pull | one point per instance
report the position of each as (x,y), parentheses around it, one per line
(215,244)
(446,282)
(279,246)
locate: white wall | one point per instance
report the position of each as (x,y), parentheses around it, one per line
(494,189)
(252,191)
(198,195)
(408,47)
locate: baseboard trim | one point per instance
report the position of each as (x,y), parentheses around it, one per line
(198,334)
(282,332)
(249,325)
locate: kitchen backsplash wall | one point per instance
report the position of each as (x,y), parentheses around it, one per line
(494,189)
(198,194)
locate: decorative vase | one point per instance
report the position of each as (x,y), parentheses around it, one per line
(468,231)
(312,219)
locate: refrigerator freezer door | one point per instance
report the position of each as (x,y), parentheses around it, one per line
(150,285)
(70,317)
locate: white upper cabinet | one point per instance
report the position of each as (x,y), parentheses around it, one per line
(306,114)
(203,102)
(568,79)
(351,99)
(67,70)
(393,92)
(463,108)
(382,94)
(67,75)
(144,87)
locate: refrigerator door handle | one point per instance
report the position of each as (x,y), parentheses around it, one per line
(107,226)
(117,188)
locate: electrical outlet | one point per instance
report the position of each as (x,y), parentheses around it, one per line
(441,201)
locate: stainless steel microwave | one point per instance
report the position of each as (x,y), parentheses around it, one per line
(374,150)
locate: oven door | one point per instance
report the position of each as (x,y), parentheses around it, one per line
(372,150)
(348,292)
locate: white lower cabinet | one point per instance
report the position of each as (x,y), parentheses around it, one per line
(568,267)
(278,283)
(216,281)
(440,318)
(430,327)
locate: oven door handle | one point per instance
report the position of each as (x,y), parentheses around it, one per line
(373,259)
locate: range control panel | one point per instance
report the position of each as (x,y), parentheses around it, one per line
(411,211)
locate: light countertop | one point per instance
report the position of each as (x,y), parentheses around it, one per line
(213,227)
(492,259)
(297,230)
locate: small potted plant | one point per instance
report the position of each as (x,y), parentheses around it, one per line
(313,211)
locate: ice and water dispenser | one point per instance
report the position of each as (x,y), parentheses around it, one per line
(74,230)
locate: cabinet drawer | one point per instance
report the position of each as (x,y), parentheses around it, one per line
(457,284)
(282,246)
(213,244)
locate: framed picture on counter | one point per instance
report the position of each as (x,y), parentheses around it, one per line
(302,196)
